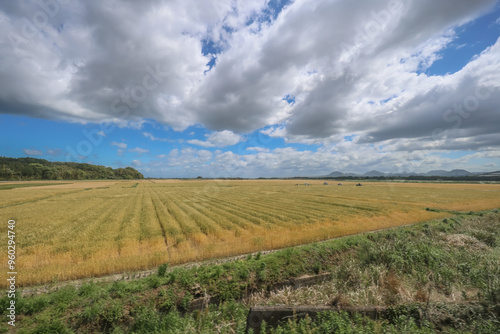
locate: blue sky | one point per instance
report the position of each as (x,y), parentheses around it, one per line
(255,88)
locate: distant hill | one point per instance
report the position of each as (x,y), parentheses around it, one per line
(453,173)
(41,169)
(374,173)
(340,174)
(432,173)
(491,174)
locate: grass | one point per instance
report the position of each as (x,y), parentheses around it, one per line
(428,267)
(26,185)
(126,226)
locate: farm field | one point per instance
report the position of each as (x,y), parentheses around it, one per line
(85,229)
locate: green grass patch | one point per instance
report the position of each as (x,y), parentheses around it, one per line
(26,185)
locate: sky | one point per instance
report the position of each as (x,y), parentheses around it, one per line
(252,88)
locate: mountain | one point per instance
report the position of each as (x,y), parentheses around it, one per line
(336,174)
(373,173)
(452,173)
(460,172)
(438,172)
(432,173)
(405,174)
(491,174)
(340,174)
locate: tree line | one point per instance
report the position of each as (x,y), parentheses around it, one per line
(41,169)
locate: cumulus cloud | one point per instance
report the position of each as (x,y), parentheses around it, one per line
(153,138)
(258,149)
(55,152)
(139,151)
(275,132)
(119,145)
(318,71)
(344,156)
(218,139)
(136,163)
(32,152)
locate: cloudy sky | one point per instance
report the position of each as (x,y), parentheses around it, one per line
(252,88)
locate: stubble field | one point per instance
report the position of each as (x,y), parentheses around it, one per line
(86,229)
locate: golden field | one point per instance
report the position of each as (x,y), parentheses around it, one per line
(86,229)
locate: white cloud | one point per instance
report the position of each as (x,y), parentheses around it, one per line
(258,149)
(275,132)
(153,138)
(55,152)
(136,163)
(345,156)
(120,145)
(199,143)
(32,152)
(218,139)
(139,151)
(351,67)
(101,133)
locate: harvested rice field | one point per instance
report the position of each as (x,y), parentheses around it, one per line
(86,229)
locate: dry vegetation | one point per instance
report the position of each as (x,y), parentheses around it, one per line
(440,276)
(95,228)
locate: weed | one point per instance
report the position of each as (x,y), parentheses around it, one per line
(51,327)
(162,270)
(317,267)
(186,301)
(168,299)
(118,289)
(153,281)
